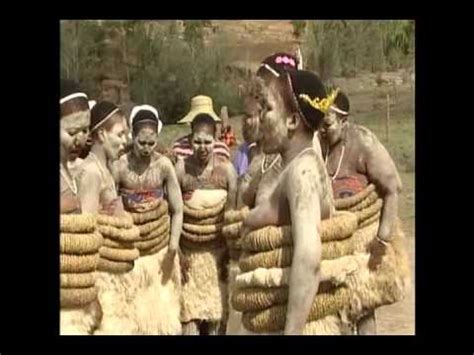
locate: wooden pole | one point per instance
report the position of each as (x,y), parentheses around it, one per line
(387,120)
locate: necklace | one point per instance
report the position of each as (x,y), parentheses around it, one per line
(69,181)
(333,177)
(262,168)
(102,169)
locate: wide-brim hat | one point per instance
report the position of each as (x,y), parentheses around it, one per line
(200,104)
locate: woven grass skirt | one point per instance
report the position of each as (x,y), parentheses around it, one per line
(204,296)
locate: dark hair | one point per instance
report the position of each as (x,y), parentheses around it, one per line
(144,115)
(297,82)
(203,119)
(144,118)
(137,126)
(342,101)
(100,112)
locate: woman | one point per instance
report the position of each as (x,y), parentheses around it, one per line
(354,159)
(148,186)
(98,196)
(209,186)
(294,105)
(78,317)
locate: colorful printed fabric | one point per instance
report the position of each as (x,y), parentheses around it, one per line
(140,200)
(346,186)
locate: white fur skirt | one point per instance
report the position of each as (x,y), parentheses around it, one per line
(144,301)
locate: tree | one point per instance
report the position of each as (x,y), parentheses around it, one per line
(399,40)
(79,51)
(346,47)
(322,47)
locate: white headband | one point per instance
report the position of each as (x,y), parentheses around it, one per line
(273,71)
(139,108)
(105,119)
(92,103)
(338,110)
(72,96)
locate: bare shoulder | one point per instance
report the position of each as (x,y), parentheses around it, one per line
(304,167)
(88,176)
(162,162)
(302,180)
(89,169)
(160,159)
(225,166)
(369,142)
(122,162)
(364,137)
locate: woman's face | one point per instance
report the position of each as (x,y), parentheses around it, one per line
(203,143)
(273,127)
(331,129)
(74,132)
(145,141)
(115,139)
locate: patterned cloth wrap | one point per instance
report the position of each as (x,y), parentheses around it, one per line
(70,203)
(187,195)
(140,200)
(346,186)
(112,208)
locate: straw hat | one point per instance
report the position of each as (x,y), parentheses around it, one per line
(200,104)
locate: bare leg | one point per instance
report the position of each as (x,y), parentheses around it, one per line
(214,328)
(347,329)
(366,325)
(222,328)
(191,328)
